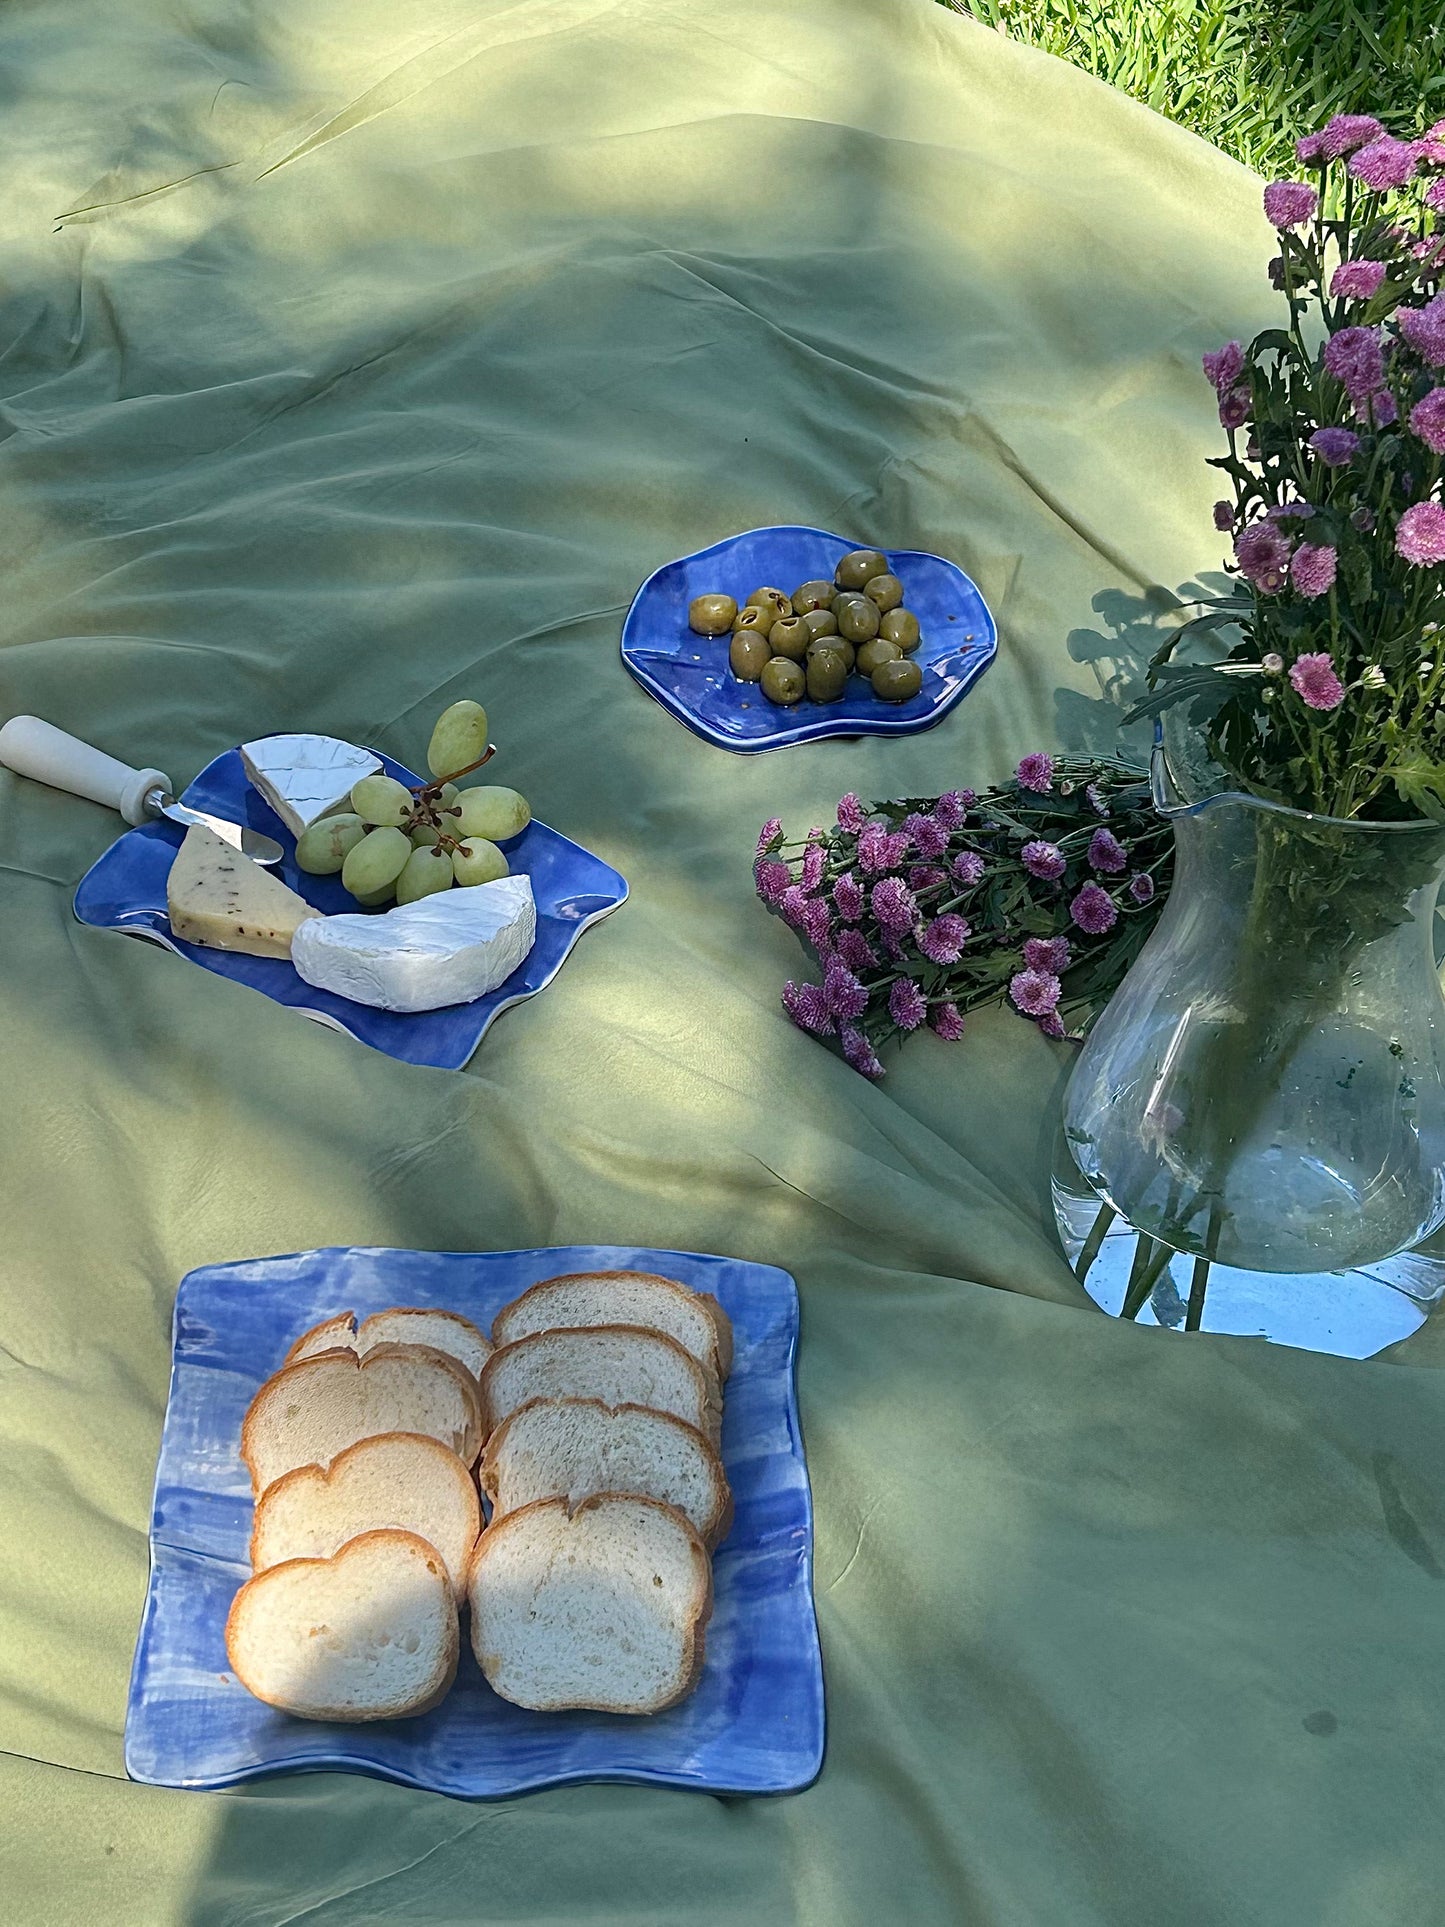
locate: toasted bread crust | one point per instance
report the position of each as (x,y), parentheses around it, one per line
(701,1612)
(431,1311)
(325,1474)
(329,1361)
(496,1443)
(446,1674)
(339,1330)
(711,1399)
(720,1364)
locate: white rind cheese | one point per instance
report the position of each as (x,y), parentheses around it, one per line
(443,949)
(216,896)
(304,778)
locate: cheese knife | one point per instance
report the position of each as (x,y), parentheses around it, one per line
(48,755)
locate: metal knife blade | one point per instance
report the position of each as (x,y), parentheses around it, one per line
(261,849)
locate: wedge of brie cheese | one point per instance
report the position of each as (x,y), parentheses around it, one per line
(443,949)
(218,897)
(306,777)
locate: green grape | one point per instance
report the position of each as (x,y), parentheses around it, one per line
(449,795)
(373,899)
(478,861)
(424,836)
(494,812)
(376,861)
(381,799)
(424,873)
(322,849)
(459,739)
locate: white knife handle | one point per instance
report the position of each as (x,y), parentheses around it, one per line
(41,751)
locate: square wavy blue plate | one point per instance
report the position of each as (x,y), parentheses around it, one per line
(754,1724)
(126,890)
(690,677)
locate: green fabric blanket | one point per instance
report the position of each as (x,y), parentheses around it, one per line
(356,357)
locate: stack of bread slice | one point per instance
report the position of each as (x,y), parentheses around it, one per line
(596,1409)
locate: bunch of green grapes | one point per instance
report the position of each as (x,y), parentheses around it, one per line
(397,844)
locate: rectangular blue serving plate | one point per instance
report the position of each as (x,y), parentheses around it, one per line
(126,890)
(755,1722)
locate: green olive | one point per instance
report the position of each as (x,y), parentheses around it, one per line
(859,620)
(783,682)
(840,644)
(827,674)
(900,626)
(748,656)
(754,620)
(711,615)
(858,567)
(896,682)
(874,654)
(773,599)
(820,622)
(812,595)
(789,637)
(885,590)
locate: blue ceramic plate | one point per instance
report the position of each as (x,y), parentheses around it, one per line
(689,674)
(754,1724)
(126,890)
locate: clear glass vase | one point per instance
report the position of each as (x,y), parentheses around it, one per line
(1253,1137)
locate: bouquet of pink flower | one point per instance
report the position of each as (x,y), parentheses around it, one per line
(1331,700)
(918,910)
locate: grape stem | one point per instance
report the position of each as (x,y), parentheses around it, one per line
(427,814)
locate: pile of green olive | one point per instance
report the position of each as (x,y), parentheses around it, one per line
(809,643)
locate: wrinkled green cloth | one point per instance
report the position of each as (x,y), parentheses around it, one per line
(356,357)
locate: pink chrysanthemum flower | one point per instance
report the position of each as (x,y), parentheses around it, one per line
(1234,409)
(878,850)
(1309,150)
(1356,359)
(1096,799)
(1313,679)
(906,1004)
(1035,992)
(817,924)
(1424,329)
(1377,410)
(1345,132)
(930,837)
(1051,1024)
(926,876)
(952,808)
(1262,555)
(1312,569)
(848,897)
(1224,366)
(1094,910)
(1141,887)
(851,814)
(1224,515)
(1289,203)
(1420,535)
(942,940)
(1357,280)
(772,879)
(946,1021)
(1036,772)
(814,860)
(769,836)
(1384,163)
(1043,860)
(1049,954)
(968,868)
(860,1053)
(794,905)
(1107,853)
(1335,446)
(1435,195)
(854,950)
(1289,512)
(1427,420)
(842,992)
(893,905)
(806,1005)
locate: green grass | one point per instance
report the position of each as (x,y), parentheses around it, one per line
(1248,75)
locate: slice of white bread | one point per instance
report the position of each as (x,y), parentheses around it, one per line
(308,1412)
(446,1331)
(602,1607)
(618,1364)
(370,1634)
(569,1448)
(694,1318)
(399,1479)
